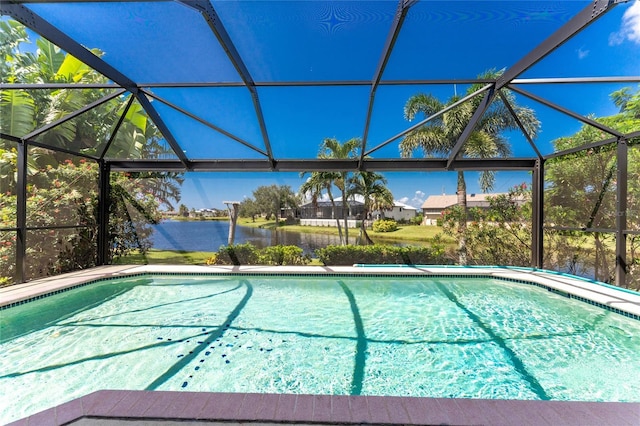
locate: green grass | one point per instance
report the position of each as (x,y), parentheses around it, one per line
(165,257)
(405,233)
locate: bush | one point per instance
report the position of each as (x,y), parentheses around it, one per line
(237,254)
(248,254)
(385,225)
(381,254)
(283,255)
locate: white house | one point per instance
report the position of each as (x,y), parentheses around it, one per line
(400,212)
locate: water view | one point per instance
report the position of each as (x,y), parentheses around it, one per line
(209,235)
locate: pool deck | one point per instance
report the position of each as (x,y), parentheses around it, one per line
(115,407)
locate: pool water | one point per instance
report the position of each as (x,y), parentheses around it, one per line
(403,336)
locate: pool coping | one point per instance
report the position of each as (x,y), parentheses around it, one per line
(239,408)
(617,300)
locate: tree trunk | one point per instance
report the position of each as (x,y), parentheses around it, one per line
(462,226)
(345,217)
(335,214)
(364,236)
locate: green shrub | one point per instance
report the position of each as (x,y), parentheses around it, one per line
(381,254)
(236,254)
(283,255)
(248,254)
(385,225)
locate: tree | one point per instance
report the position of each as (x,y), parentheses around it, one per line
(581,190)
(315,186)
(249,208)
(438,136)
(183,210)
(371,186)
(63,189)
(271,200)
(331,148)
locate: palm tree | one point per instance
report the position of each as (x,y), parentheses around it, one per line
(438,136)
(331,148)
(372,187)
(315,185)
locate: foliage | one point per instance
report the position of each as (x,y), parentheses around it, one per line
(62,190)
(385,225)
(581,192)
(283,255)
(381,254)
(333,149)
(376,196)
(249,208)
(499,235)
(248,254)
(438,136)
(273,199)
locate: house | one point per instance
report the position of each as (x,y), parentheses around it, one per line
(324,209)
(399,212)
(434,205)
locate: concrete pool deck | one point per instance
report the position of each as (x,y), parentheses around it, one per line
(111,407)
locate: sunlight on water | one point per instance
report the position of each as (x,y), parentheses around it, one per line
(470,338)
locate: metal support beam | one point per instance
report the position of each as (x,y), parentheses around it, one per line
(215,23)
(311,165)
(576,24)
(471,125)
(537,233)
(153,114)
(112,137)
(621,212)
(74,114)
(66,43)
(21,212)
(394,31)
(567,112)
(206,123)
(104,172)
(519,122)
(426,120)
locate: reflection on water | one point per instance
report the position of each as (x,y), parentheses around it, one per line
(210,235)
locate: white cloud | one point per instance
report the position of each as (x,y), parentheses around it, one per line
(404,200)
(417,200)
(630,27)
(582,53)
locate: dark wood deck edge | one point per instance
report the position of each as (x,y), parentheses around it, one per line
(334,409)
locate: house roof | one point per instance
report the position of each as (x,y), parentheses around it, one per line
(327,203)
(403,205)
(444,201)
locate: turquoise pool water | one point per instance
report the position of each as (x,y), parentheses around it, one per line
(406,336)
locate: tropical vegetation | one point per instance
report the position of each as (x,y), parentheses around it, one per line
(439,136)
(61,189)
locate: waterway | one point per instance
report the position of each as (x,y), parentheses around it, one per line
(209,235)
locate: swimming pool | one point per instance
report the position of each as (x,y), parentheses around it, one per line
(463,337)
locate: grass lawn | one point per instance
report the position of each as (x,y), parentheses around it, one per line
(165,257)
(408,233)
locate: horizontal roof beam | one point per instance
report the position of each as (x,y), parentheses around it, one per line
(404,164)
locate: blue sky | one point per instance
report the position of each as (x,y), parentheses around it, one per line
(605,48)
(314,40)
